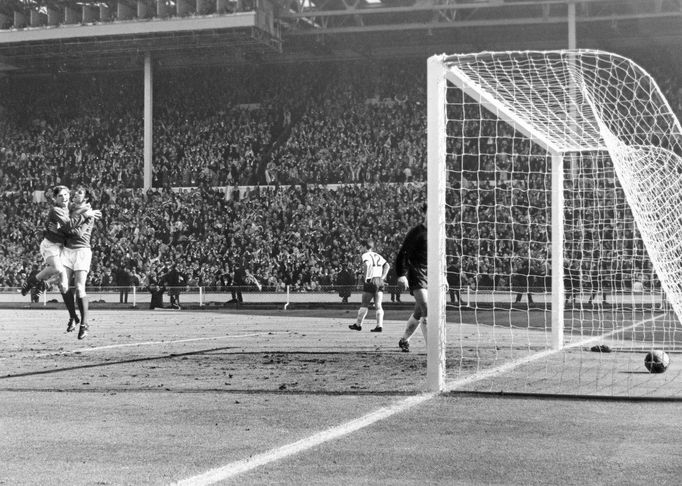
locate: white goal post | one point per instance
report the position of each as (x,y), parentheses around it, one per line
(588,142)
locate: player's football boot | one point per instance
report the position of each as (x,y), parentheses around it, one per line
(404,345)
(82,331)
(377,329)
(355,327)
(73,322)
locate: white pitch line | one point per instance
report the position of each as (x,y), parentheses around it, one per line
(534,357)
(233,469)
(153,343)
(188,340)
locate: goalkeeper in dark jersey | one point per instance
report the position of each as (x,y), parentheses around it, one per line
(410,266)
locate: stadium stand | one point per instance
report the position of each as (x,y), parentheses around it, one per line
(329,155)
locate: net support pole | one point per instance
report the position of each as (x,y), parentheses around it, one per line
(557,251)
(435,222)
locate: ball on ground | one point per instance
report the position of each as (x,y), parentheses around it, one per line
(657,361)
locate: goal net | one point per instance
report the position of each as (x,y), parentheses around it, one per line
(555,225)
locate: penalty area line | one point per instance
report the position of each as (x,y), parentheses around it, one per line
(155,343)
(238,467)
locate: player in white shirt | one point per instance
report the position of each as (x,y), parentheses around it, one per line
(375,268)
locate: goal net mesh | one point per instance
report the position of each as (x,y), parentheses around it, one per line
(507,115)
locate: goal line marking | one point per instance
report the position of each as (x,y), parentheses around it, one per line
(233,469)
(482,375)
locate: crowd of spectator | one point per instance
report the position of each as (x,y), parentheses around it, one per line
(331,155)
(301,236)
(255,126)
(107,14)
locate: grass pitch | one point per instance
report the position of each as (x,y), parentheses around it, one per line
(155,397)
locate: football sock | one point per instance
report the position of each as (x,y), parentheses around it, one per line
(410,327)
(424,327)
(380,318)
(362,313)
(83,308)
(70,304)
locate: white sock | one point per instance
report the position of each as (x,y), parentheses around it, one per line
(380,318)
(362,313)
(424,328)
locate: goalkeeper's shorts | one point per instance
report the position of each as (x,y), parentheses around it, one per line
(416,277)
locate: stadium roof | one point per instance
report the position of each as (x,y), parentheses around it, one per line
(38,36)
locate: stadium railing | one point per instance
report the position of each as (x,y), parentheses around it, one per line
(196,296)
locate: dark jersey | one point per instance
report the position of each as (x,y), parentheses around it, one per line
(65,224)
(412,257)
(79,236)
(58,216)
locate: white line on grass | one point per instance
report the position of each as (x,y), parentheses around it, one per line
(233,469)
(540,355)
(188,340)
(153,343)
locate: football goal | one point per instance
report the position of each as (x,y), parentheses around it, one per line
(555,225)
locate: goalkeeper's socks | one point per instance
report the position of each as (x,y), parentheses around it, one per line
(424,329)
(410,327)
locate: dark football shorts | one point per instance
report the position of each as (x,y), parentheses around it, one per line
(416,277)
(373,285)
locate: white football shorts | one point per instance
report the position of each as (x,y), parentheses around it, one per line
(77,259)
(50,249)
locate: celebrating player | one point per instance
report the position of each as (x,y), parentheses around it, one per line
(410,266)
(58,221)
(76,258)
(375,269)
